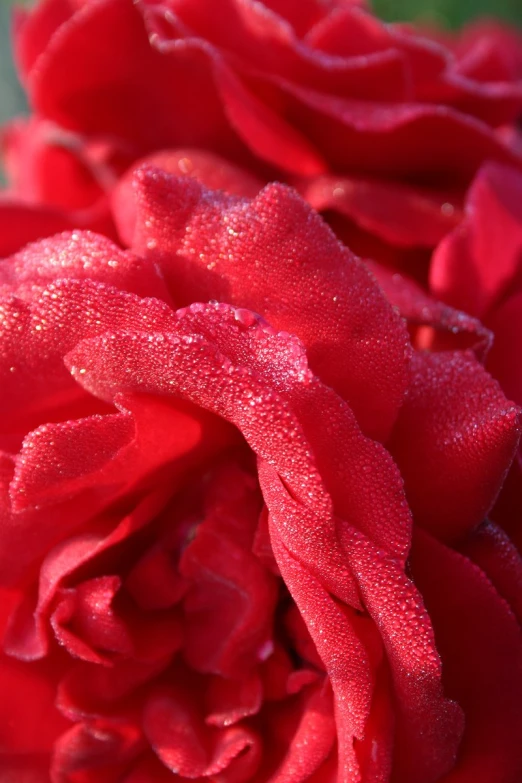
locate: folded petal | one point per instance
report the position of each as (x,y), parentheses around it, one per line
(198,237)
(27,635)
(78,255)
(481,646)
(341,651)
(400,214)
(462,272)
(492,550)
(277,385)
(313,741)
(428,725)
(454,442)
(174,726)
(446,327)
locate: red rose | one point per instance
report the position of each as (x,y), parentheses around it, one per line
(206,548)
(380,124)
(250,527)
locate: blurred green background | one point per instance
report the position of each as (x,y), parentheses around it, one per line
(444,12)
(451,13)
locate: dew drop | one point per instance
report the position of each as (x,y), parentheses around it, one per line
(245,317)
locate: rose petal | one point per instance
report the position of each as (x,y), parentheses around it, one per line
(447,327)
(481,646)
(27,634)
(491,549)
(454,442)
(84,620)
(79,255)
(230,606)
(212,171)
(503,360)
(96,751)
(462,272)
(185,744)
(230,701)
(375,750)
(319,551)
(397,213)
(36,335)
(313,740)
(429,726)
(26,768)
(174,363)
(354,31)
(340,649)
(33,31)
(248,31)
(59,460)
(148,768)
(29,722)
(89,690)
(46,165)
(403,140)
(21,223)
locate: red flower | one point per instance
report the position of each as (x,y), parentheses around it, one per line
(205,554)
(249,521)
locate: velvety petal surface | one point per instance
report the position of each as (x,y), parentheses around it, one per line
(454,442)
(197,238)
(480,641)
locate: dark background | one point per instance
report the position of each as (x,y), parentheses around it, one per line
(443,12)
